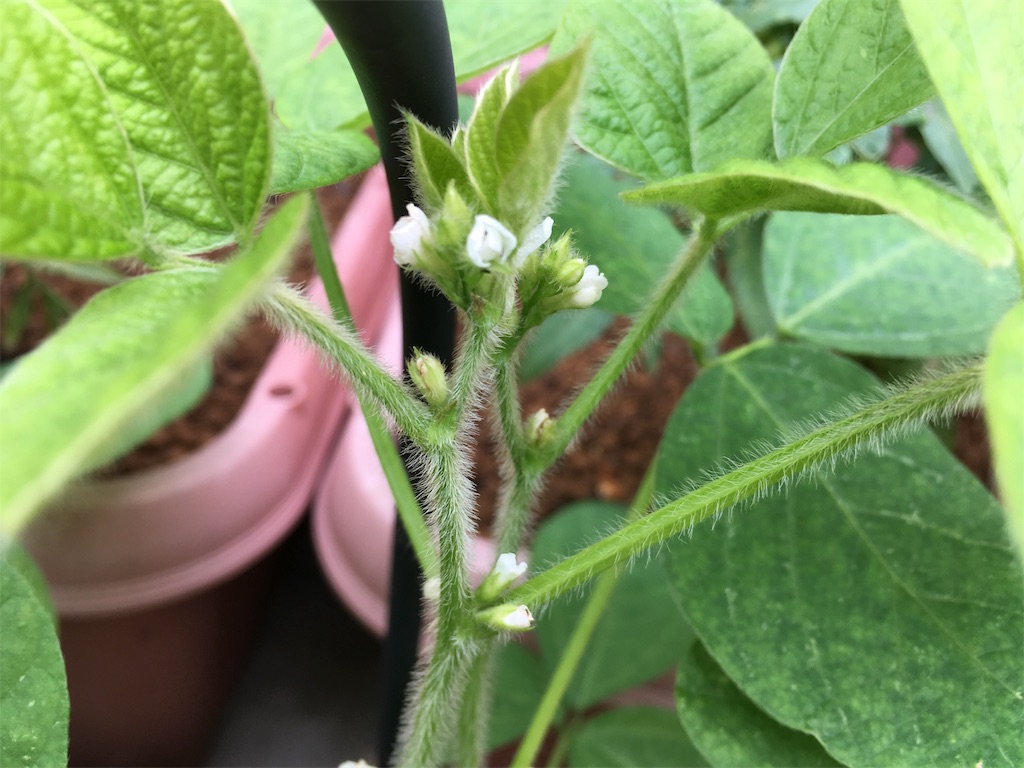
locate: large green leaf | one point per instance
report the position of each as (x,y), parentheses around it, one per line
(726,726)
(70,398)
(633,737)
(746,187)
(878,606)
(851,67)
(973,52)
(634,249)
(760,15)
(311,159)
(68,186)
(879,286)
(519,682)
(675,85)
(283,35)
(33,687)
(180,79)
(640,634)
(1004,413)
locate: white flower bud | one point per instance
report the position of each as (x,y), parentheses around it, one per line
(409,235)
(538,427)
(533,240)
(506,570)
(588,290)
(508,617)
(489,241)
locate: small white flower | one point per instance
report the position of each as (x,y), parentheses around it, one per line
(489,241)
(534,239)
(588,290)
(507,618)
(408,236)
(507,569)
(518,618)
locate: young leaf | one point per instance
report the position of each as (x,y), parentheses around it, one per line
(181,81)
(879,606)
(531,135)
(879,286)
(973,52)
(1004,413)
(33,686)
(726,726)
(173,315)
(850,68)
(633,737)
(310,159)
(675,86)
(746,187)
(640,634)
(481,136)
(68,185)
(634,248)
(437,164)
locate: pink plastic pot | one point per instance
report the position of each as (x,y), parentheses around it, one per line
(157,576)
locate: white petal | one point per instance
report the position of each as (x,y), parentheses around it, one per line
(533,240)
(489,241)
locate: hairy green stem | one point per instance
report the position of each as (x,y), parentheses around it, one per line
(869,426)
(647,322)
(295,313)
(474,709)
(578,641)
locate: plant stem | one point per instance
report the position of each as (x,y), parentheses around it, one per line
(405,498)
(871,426)
(578,641)
(474,708)
(294,312)
(646,323)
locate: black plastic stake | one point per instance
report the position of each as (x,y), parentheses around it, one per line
(401,54)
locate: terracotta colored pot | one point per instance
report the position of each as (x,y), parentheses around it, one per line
(158,577)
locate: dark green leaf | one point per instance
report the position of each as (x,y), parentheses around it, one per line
(519,682)
(633,737)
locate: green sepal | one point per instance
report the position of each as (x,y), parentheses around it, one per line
(435,165)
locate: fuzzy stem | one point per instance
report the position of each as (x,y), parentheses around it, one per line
(646,323)
(294,312)
(474,709)
(871,425)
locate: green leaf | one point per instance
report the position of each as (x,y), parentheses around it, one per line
(729,729)
(559,335)
(973,52)
(940,137)
(68,185)
(1004,414)
(743,246)
(485,34)
(879,286)
(531,136)
(878,606)
(322,96)
(480,147)
(180,79)
(108,375)
(640,634)
(519,682)
(310,159)
(761,15)
(436,165)
(33,687)
(634,249)
(674,85)
(633,737)
(851,67)
(282,35)
(746,187)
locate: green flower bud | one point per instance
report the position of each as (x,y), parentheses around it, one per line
(427,373)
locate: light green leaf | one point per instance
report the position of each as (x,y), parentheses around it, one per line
(107,375)
(480,147)
(633,737)
(283,35)
(973,52)
(674,86)
(760,15)
(182,83)
(485,34)
(634,249)
(436,164)
(1004,414)
(559,335)
(310,159)
(940,137)
(746,187)
(322,96)
(743,246)
(851,67)
(879,286)
(519,682)
(33,687)
(531,136)
(878,606)
(726,726)
(640,634)
(68,186)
